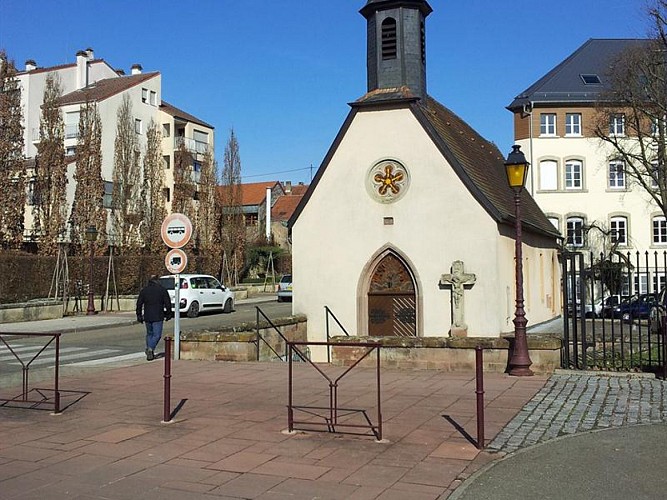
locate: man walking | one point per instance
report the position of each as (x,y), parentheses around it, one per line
(153,307)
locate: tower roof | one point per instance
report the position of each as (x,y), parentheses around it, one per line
(375,5)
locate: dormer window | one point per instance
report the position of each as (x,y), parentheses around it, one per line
(591,79)
(389,39)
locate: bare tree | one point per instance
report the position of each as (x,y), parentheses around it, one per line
(88,208)
(50,189)
(184,184)
(152,199)
(126,213)
(208,213)
(232,227)
(12,169)
(631,115)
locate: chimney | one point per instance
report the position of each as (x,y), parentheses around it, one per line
(90,54)
(81,70)
(288,187)
(120,72)
(136,69)
(30,65)
(268,213)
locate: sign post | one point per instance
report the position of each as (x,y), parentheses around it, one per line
(176,232)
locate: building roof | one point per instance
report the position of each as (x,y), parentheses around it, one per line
(477,162)
(253,193)
(59,67)
(285,206)
(179,113)
(372,5)
(103,89)
(573,80)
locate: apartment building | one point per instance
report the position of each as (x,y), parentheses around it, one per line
(575,177)
(95,81)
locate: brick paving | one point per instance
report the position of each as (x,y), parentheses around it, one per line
(575,402)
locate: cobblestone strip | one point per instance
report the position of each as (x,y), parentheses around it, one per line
(571,403)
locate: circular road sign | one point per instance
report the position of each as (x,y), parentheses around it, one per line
(176,230)
(176,260)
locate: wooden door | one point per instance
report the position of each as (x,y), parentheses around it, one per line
(392,310)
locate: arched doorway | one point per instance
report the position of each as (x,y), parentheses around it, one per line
(392,310)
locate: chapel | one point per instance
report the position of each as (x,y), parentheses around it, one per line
(408,226)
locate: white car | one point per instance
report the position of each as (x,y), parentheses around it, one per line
(285,288)
(199,293)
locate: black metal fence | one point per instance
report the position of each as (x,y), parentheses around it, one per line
(614,311)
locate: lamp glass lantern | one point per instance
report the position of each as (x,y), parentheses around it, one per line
(516,168)
(91,234)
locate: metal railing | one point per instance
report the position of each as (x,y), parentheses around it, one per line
(24,400)
(327,313)
(332,416)
(259,339)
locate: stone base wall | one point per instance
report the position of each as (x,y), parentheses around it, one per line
(449,353)
(240,343)
(31,311)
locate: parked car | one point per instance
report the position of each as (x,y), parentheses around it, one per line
(601,308)
(635,307)
(285,288)
(199,293)
(658,312)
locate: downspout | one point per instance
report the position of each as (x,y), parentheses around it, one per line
(530,145)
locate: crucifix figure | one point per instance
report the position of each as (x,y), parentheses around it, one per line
(458,280)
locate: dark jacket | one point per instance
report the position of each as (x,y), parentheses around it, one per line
(154,301)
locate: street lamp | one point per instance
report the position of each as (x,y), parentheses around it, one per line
(91,236)
(516,168)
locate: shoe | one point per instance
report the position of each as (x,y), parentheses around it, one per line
(150,356)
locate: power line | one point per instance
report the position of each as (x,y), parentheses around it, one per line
(271,174)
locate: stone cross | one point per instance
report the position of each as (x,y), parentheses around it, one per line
(458,280)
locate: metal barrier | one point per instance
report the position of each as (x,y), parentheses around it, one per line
(260,338)
(479,391)
(327,313)
(332,414)
(23,399)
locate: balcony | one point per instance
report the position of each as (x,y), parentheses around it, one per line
(191,145)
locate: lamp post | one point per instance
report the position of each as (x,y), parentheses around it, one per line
(516,168)
(91,236)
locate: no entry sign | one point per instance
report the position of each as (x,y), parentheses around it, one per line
(176,230)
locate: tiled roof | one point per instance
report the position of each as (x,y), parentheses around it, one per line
(564,83)
(478,163)
(103,89)
(179,113)
(58,67)
(253,193)
(284,207)
(299,189)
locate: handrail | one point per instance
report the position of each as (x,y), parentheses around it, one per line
(327,313)
(25,367)
(259,337)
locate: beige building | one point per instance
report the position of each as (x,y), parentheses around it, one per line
(406,193)
(575,178)
(93,80)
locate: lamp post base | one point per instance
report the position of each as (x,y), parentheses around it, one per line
(521,371)
(91,305)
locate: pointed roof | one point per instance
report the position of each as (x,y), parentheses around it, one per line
(104,89)
(375,5)
(581,77)
(285,206)
(477,162)
(253,193)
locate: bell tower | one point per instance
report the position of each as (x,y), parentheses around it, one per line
(396,53)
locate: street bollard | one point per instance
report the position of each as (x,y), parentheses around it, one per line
(479,377)
(167,380)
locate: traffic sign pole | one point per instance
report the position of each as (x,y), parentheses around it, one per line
(177,317)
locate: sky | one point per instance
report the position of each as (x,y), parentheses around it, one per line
(281,73)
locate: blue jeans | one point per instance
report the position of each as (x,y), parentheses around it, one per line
(153,333)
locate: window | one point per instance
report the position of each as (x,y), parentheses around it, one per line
(617,124)
(659,230)
(72,125)
(641,283)
(548,124)
(201,141)
(659,282)
(144,95)
(153,96)
(70,150)
(166,192)
(655,174)
(32,198)
(548,175)
(555,222)
(616,175)
(138,127)
(573,172)
(389,39)
(619,230)
(575,232)
(107,201)
(573,124)
(166,162)
(591,79)
(166,130)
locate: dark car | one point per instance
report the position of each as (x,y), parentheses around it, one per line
(658,312)
(635,307)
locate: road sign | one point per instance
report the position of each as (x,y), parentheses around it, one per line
(176,230)
(176,260)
